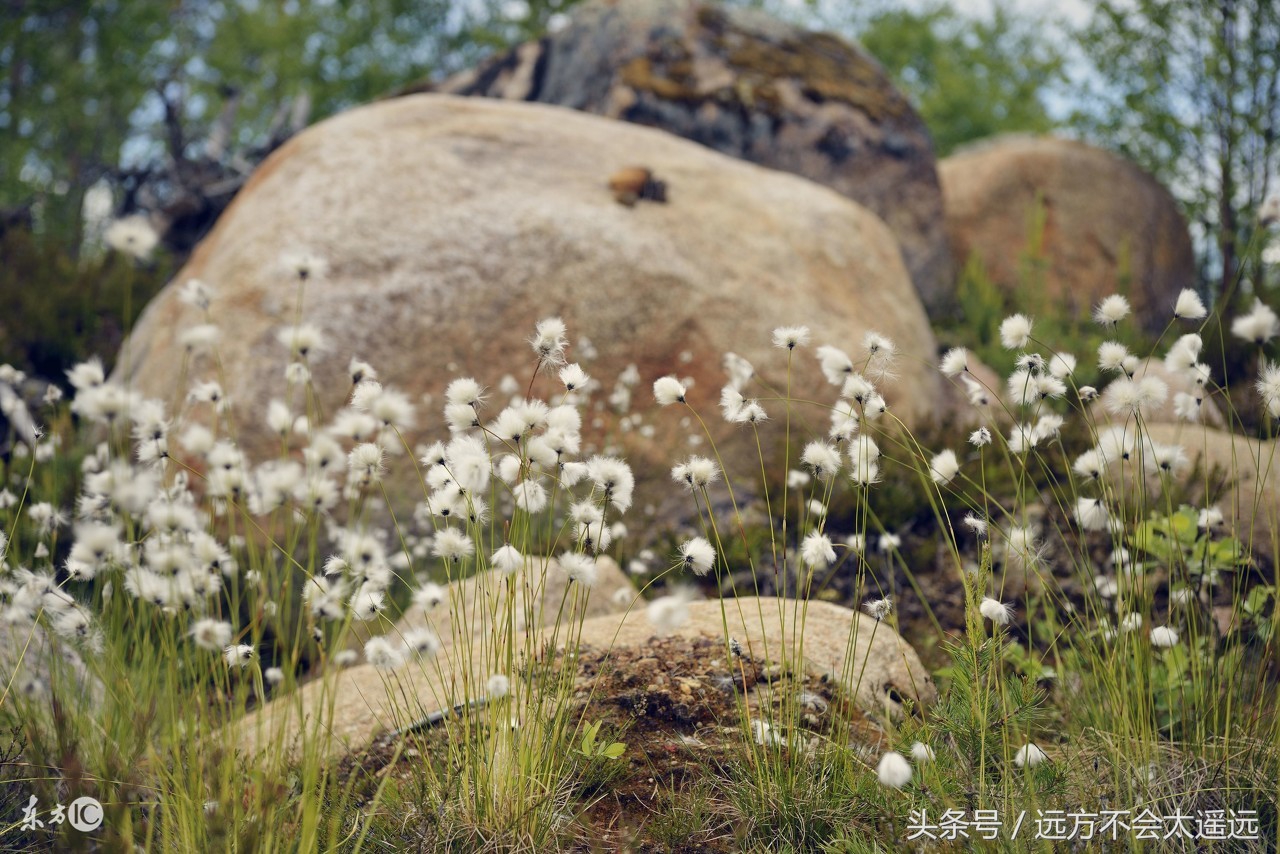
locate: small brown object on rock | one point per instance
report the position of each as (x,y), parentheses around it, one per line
(633,183)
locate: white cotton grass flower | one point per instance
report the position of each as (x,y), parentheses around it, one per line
(955,362)
(1015,331)
(765,735)
(421,643)
(822,459)
(507,560)
(1112,356)
(732,403)
(944,467)
(740,371)
(1163,637)
(1111,310)
(303,264)
(1021,547)
(273,675)
(1268,386)
(835,363)
(975,523)
(894,771)
(976,392)
(669,613)
(668,390)
(133,235)
(790,337)
(1091,513)
(817,551)
(238,655)
(1184,354)
(696,473)
(1189,306)
(1187,407)
(1062,365)
(549,341)
(379,652)
(359,371)
(497,686)
(1170,459)
(1209,519)
(980,437)
(1259,326)
(1131,622)
(530,496)
(878,609)
(302,339)
(573,377)
(464,391)
(451,544)
(87,375)
(1023,438)
(196,294)
(922,752)
(1128,396)
(697,555)
(213,635)
(880,351)
(614,479)
(365,462)
(1029,756)
(996,611)
(200,339)
(580,568)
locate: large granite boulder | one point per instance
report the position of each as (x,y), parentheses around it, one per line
(869,661)
(750,86)
(1108,226)
(450,226)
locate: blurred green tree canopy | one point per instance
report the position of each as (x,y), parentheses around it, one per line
(1190,90)
(970,77)
(93,86)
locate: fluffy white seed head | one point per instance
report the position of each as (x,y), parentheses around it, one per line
(790,337)
(944,466)
(1029,756)
(817,552)
(922,752)
(894,771)
(1111,310)
(996,611)
(1015,331)
(1189,306)
(697,555)
(668,390)
(955,362)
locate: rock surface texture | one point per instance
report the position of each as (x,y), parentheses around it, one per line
(751,87)
(613,594)
(1105,220)
(869,660)
(450,226)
